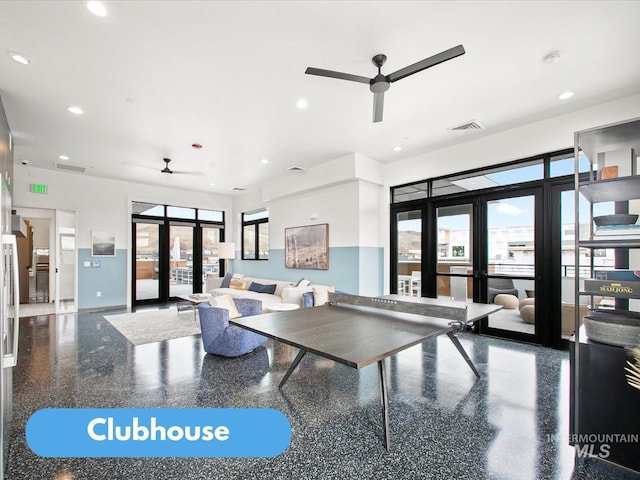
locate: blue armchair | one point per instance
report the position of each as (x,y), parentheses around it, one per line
(220,338)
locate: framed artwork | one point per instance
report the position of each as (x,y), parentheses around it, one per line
(103,244)
(307,247)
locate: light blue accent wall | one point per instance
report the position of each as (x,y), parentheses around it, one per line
(344,269)
(371,270)
(110,278)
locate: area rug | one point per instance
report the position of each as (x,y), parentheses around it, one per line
(154,325)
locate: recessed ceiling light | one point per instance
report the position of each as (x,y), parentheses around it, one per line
(212,184)
(75,110)
(565,95)
(97,8)
(264,160)
(63,157)
(302,104)
(551,58)
(397,148)
(20,58)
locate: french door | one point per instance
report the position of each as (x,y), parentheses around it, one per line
(487,248)
(510,255)
(172,258)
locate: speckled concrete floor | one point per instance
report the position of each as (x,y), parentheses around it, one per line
(510,424)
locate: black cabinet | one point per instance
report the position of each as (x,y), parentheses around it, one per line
(608,408)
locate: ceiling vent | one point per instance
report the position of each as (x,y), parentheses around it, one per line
(238,189)
(70,168)
(296,169)
(466,127)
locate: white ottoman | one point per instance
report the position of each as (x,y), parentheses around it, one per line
(506,300)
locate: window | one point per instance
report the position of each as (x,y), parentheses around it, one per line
(148,209)
(181,212)
(490,178)
(255,235)
(561,165)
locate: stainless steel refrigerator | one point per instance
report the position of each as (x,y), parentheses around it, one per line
(9,294)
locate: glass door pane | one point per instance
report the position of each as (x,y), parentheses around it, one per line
(263,241)
(455,247)
(511,263)
(210,260)
(147,266)
(181,260)
(409,252)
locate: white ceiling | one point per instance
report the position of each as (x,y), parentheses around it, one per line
(155,77)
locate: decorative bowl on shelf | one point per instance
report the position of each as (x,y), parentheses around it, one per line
(615,219)
(613,327)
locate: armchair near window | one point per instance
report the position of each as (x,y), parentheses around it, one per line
(220,338)
(496,286)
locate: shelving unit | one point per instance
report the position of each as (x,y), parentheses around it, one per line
(603,404)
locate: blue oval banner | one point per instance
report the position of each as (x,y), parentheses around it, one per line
(158,432)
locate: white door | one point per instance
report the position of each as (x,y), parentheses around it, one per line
(66,262)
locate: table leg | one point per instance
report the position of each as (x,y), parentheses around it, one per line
(462,351)
(293,366)
(384,404)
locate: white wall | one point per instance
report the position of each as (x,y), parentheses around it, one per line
(548,135)
(342,193)
(102,204)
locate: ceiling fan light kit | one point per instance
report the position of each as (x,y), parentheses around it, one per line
(381,83)
(166,168)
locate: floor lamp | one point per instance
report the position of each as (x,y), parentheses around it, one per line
(226,251)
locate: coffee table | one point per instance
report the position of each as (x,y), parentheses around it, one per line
(282,307)
(195,299)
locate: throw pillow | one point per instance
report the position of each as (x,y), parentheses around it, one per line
(303,282)
(260,288)
(225,301)
(238,284)
(321,294)
(226,280)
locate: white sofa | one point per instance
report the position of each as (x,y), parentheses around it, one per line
(285,292)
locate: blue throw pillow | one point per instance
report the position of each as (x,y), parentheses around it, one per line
(307,300)
(260,288)
(226,280)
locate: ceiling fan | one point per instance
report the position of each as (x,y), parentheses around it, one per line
(166,168)
(381,83)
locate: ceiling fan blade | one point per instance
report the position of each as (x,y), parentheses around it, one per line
(342,76)
(378,104)
(426,63)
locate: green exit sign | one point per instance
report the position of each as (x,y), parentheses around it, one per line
(38,188)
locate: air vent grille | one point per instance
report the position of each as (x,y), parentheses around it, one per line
(467,127)
(70,168)
(295,168)
(238,189)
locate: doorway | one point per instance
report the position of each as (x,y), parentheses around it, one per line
(510,254)
(175,249)
(47,262)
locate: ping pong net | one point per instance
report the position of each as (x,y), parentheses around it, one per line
(428,307)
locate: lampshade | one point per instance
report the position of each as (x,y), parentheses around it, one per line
(227,250)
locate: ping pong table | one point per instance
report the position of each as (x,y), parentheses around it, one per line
(358,331)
